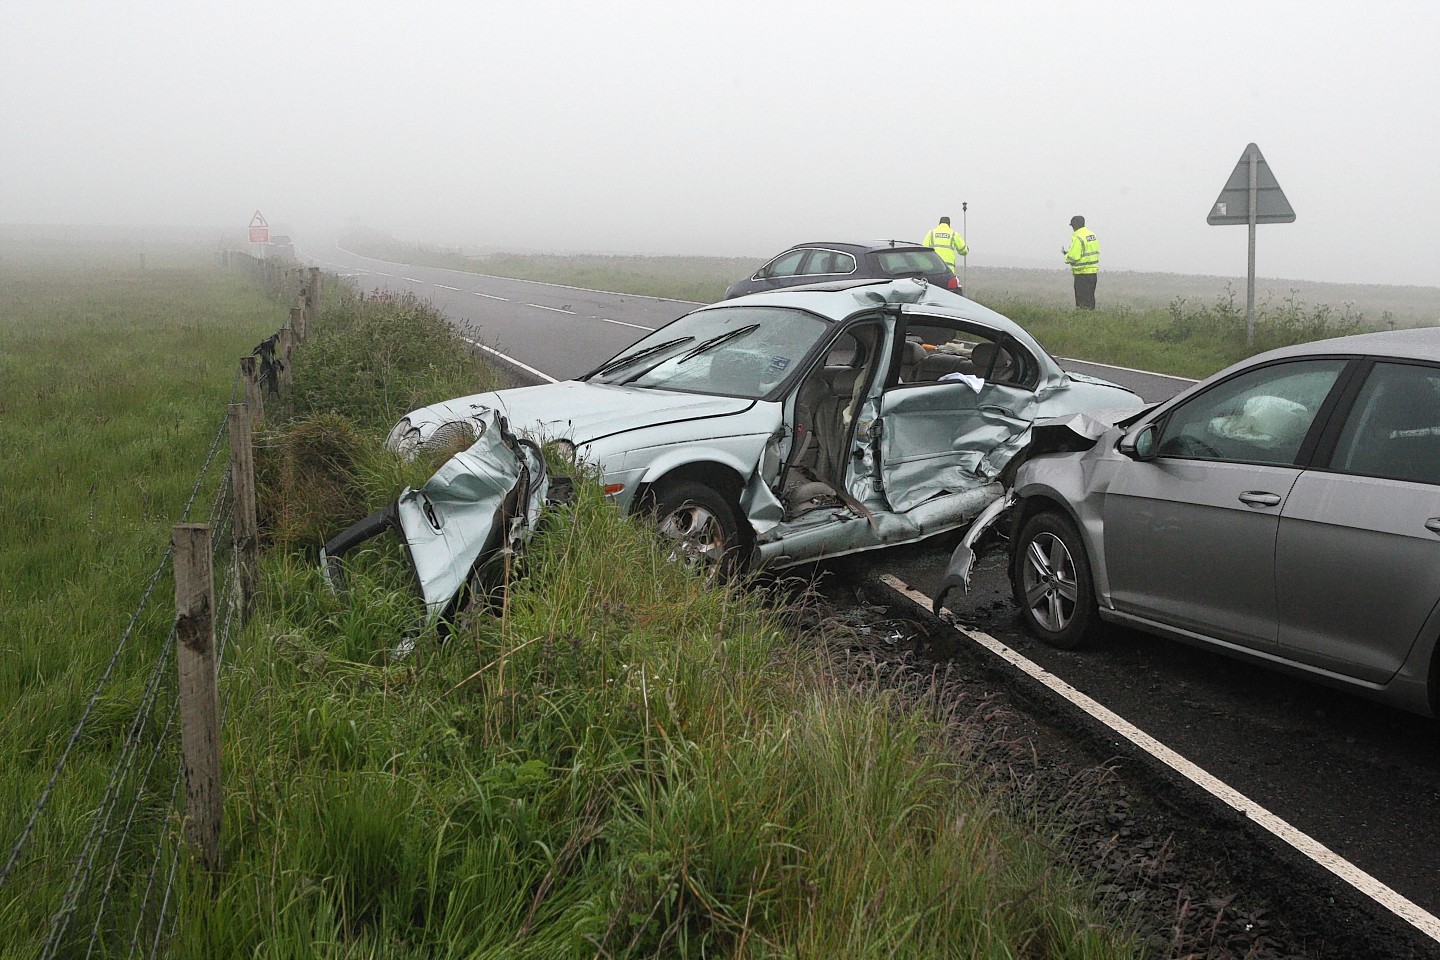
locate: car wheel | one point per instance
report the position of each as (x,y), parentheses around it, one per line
(1052,583)
(702,524)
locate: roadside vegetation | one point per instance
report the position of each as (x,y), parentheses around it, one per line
(1169,323)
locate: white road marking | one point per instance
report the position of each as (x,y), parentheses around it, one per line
(541,306)
(1412,913)
(446,286)
(491,296)
(509,359)
(1116,366)
(413,279)
(622,323)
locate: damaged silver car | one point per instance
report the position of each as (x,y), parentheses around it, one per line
(795,425)
(1286,511)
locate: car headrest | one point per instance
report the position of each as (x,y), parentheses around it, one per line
(981,355)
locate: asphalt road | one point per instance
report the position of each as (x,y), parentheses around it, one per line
(1362,779)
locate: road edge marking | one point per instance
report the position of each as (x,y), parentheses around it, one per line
(1316,851)
(511,360)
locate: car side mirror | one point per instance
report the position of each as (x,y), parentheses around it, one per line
(1139,445)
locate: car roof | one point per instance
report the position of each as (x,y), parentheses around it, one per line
(1417,343)
(841,299)
(862,246)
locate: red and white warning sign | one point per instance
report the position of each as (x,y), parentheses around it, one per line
(259,229)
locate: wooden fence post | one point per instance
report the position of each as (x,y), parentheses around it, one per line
(250,373)
(297,323)
(284,344)
(199,695)
(246,529)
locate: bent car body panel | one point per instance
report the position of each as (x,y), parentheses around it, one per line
(483,501)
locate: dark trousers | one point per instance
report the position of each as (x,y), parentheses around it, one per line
(1085,290)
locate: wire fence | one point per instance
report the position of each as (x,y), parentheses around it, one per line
(93,870)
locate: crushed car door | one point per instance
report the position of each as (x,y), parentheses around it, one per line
(956,408)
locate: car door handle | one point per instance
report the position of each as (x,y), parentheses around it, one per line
(1259,498)
(1433,524)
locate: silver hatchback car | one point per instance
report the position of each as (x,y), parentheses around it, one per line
(1286,510)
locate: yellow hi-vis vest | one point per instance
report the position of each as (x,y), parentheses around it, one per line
(1084,253)
(947,243)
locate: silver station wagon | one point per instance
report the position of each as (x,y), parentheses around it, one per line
(1287,510)
(788,426)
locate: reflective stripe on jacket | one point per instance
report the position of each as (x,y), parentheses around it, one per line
(947,243)
(1084,253)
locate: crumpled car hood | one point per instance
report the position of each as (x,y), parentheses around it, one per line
(482,502)
(582,412)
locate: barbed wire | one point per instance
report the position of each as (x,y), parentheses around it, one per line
(129,797)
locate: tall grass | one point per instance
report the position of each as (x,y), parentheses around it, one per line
(621,760)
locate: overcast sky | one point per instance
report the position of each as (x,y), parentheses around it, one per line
(737,128)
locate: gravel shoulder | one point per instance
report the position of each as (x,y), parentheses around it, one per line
(1196,876)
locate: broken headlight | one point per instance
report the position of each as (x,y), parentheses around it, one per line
(404,438)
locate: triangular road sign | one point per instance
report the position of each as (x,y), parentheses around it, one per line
(1233,204)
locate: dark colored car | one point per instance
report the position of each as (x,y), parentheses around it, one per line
(820,262)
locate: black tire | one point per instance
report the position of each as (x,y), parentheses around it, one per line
(1051,580)
(702,524)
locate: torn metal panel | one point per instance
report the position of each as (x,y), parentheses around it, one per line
(482,502)
(962,560)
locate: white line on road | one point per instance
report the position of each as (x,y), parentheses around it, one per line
(413,279)
(1115,366)
(541,306)
(446,286)
(491,296)
(622,323)
(508,359)
(1412,913)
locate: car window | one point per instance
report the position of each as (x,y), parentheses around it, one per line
(828,262)
(785,265)
(937,351)
(1393,430)
(905,263)
(1260,416)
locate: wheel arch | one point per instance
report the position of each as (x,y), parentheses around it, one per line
(720,477)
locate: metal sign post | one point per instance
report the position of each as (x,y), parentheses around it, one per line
(1251,196)
(965,227)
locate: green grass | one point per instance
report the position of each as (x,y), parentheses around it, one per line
(113,383)
(622,760)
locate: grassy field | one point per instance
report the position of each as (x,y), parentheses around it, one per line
(620,760)
(114,373)
(1170,323)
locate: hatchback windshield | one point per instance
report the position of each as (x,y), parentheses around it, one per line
(736,351)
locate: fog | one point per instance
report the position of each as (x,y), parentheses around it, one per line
(737,128)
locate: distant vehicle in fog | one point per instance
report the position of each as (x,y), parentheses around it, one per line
(280,248)
(822,262)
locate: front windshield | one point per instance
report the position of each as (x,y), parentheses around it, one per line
(735,351)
